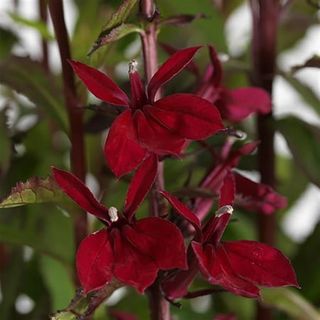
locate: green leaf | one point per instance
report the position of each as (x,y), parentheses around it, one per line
(5,143)
(8,40)
(303,140)
(38,25)
(28,77)
(291,302)
(116,28)
(306,93)
(35,190)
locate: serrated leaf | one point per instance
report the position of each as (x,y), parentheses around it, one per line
(306,93)
(303,140)
(116,28)
(38,25)
(28,77)
(35,190)
(291,302)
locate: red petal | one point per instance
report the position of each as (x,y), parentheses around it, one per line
(140,185)
(160,240)
(131,266)
(100,84)
(260,263)
(138,94)
(122,150)
(95,261)
(79,193)
(185,212)
(215,266)
(216,65)
(119,315)
(187,115)
(156,137)
(169,69)
(227,191)
(257,197)
(240,103)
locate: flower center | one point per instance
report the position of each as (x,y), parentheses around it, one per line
(113,214)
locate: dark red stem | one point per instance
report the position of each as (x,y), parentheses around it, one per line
(75,113)
(44,44)
(265,23)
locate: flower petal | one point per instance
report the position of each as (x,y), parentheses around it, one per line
(94,261)
(138,94)
(131,266)
(239,103)
(260,263)
(227,191)
(160,240)
(215,266)
(140,185)
(184,211)
(156,137)
(80,194)
(187,115)
(257,197)
(100,84)
(216,76)
(122,150)
(169,69)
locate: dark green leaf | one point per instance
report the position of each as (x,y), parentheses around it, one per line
(8,40)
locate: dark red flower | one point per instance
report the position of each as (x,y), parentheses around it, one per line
(150,125)
(240,267)
(130,250)
(235,104)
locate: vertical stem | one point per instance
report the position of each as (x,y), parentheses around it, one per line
(75,113)
(265,22)
(159,307)
(44,44)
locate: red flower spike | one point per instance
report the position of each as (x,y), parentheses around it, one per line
(94,261)
(141,185)
(100,85)
(169,69)
(80,194)
(161,127)
(131,251)
(122,149)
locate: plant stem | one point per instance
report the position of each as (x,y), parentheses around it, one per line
(44,44)
(75,113)
(159,307)
(265,22)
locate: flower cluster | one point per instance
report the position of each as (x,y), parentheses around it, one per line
(132,250)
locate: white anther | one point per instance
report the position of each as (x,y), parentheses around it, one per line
(133,64)
(113,214)
(223,210)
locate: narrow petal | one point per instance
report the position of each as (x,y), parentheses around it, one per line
(138,94)
(79,193)
(227,191)
(100,84)
(187,115)
(94,261)
(155,137)
(141,185)
(257,197)
(130,265)
(216,76)
(260,263)
(240,103)
(160,240)
(181,209)
(215,266)
(169,69)
(122,150)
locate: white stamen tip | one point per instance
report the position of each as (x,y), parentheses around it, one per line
(113,214)
(223,210)
(133,64)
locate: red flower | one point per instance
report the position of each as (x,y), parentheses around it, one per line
(129,250)
(161,126)
(235,104)
(238,266)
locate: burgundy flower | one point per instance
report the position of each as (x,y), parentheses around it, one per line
(235,104)
(150,125)
(127,249)
(238,266)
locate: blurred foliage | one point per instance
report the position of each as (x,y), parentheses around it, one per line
(37,241)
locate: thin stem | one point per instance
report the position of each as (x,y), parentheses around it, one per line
(265,22)
(75,113)
(42,4)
